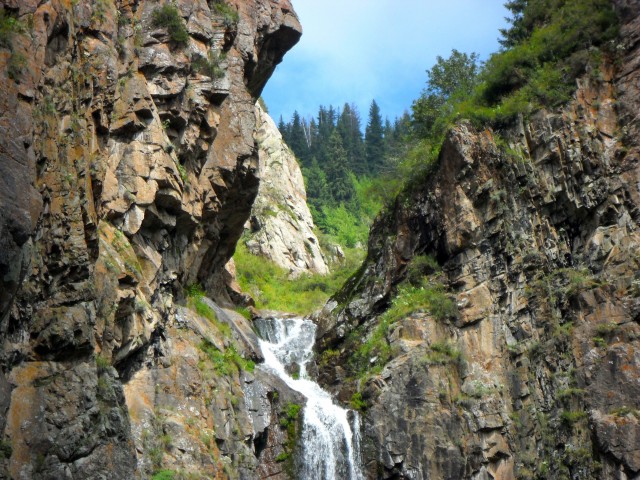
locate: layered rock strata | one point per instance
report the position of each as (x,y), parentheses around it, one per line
(128,167)
(534,231)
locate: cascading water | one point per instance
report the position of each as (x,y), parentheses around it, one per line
(330,450)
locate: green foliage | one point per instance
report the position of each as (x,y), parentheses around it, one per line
(606,329)
(289,421)
(102,363)
(549,45)
(449,81)
(428,296)
(570,417)
(419,267)
(570,392)
(229,16)
(209,66)
(374,140)
(625,411)
(9,26)
(164,475)
(357,402)
(443,353)
(227,362)
(337,171)
(272,288)
(345,227)
(6,450)
(168,16)
(196,301)
(283,456)
(15,66)
(372,354)
(290,414)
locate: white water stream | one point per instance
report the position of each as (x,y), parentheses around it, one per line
(330,449)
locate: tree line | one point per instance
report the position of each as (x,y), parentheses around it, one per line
(334,152)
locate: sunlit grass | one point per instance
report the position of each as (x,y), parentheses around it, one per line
(272,289)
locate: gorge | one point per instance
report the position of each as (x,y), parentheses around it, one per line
(491,332)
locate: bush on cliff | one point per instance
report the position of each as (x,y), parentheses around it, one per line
(168,16)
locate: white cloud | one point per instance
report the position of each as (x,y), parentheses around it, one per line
(357,50)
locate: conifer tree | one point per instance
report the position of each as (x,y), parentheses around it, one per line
(348,126)
(338,179)
(374,140)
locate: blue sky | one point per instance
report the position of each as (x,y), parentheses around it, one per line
(358,50)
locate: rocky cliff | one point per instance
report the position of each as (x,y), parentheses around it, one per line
(281,227)
(128,167)
(523,248)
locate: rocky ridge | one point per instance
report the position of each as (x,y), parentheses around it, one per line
(534,232)
(281,227)
(128,167)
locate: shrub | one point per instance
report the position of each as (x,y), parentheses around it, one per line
(229,16)
(421,266)
(443,353)
(164,475)
(8,27)
(227,362)
(357,402)
(168,16)
(569,417)
(209,66)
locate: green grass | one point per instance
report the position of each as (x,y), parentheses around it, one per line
(570,417)
(164,475)
(196,302)
(431,297)
(168,16)
(227,362)
(271,287)
(371,355)
(443,353)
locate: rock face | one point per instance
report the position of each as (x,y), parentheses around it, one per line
(128,167)
(536,230)
(281,227)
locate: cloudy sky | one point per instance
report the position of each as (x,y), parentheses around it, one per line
(359,50)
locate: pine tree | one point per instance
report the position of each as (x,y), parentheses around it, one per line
(348,126)
(374,140)
(336,169)
(297,140)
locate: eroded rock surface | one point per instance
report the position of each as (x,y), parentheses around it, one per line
(536,230)
(281,227)
(127,171)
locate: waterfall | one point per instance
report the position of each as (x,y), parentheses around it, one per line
(330,449)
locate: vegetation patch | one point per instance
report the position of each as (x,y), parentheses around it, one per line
(227,362)
(9,26)
(196,301)
(168,16)
(229,15)
(443,353)
(357,402)
(210,66)
(272,288)
(571,417)
(289,420)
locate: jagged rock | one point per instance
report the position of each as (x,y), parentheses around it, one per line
(281,227)
(536,228)
(126,174)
